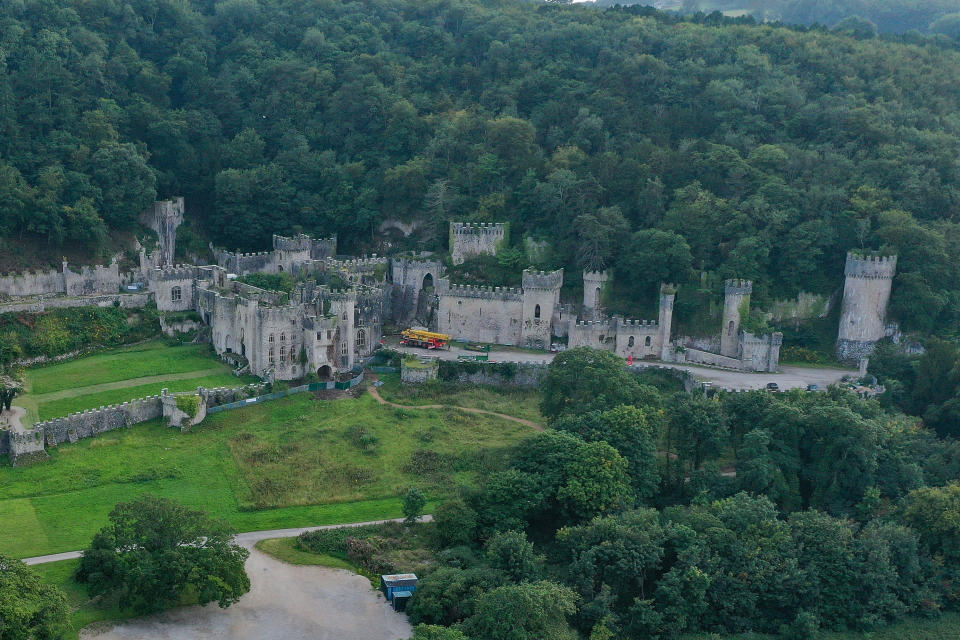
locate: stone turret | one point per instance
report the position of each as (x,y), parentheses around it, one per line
(593,283)
(668,294)
(736,295)
(863,314)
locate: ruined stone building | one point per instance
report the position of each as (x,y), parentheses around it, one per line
(468,240)
(863,314)
(739,349)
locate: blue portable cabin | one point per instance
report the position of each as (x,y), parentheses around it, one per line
(398,588)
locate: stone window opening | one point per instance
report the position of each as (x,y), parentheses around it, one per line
(343,349)
(280,268)
(283,337)
(630,342)
(344,315)
(361,338)
(270,338)
(536,312)
(271,356)
(175,294)
(602,338)
(283,352)
(730,328)
(646,341)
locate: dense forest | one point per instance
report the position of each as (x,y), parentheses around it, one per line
(668,150)
(648,513)
(887,16)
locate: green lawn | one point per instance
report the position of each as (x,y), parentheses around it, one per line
(311,462)
(137,361)
(119,375)
(83,611)
(521,403)
(64,406)
(286,550)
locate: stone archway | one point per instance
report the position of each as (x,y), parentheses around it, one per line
(325,372)
(228,344)
(427,282)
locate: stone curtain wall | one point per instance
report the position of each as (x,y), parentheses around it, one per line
(527,375)
(418,373)
(126,301)
(30,445)
(88,281)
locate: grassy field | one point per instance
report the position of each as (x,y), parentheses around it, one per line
(291,462)
(119,375)
(946,627)
(285,549)
(83,611)
(522,403)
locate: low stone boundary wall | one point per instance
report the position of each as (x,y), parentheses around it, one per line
(417,372)
(126,300)
(30,445)
(703,357)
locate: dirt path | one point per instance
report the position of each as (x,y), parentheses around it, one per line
(376,394)
(123,384)
(13,418)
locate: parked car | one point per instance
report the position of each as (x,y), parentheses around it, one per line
(773,386)
(813,387)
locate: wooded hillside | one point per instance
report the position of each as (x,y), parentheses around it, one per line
(624,137)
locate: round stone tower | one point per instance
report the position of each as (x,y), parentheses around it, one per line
(593,283)
(736,295)
(863,314)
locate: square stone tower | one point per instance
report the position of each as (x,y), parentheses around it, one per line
(473,239)
(736,294)
(541,295)
(593,283)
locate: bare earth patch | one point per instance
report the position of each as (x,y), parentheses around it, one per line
(286,602)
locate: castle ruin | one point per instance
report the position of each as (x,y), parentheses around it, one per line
(468,240)
(863,314)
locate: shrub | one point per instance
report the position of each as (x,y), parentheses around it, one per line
(189,404)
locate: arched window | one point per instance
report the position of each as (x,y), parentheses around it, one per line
(283,352)
(536,312)
(270,338)
(175,294)
(361,338)
(596,301)
(646,341)
(280,267)
(272,358)
(730,328)
(630,342)
(343,349)
(283,337)
(344,315)
(293,352)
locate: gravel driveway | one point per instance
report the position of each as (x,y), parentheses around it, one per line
(286,602)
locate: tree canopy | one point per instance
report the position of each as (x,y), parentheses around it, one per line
(155,549)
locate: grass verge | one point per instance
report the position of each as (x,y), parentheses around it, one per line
(83,610)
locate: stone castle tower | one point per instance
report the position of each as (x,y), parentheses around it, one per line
(735,294)
(593,283)
(863,314)
(474,239)
(668,293)
(541,296)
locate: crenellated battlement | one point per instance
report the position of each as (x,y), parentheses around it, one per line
(870,266)
(652,324)
(299,242)
(535,279)
(491,293)
(178,272)
(738,286)
(592,324)
(479,228)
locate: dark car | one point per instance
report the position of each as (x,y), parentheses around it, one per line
(813,387)
(773,386)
